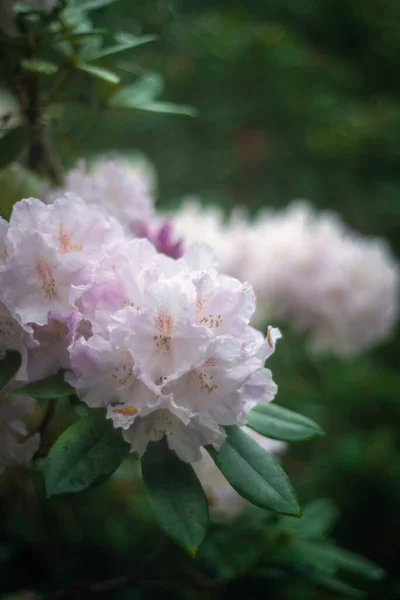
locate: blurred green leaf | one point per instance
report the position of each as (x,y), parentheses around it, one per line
(90,56)
(280,423)
(228,552)
(86,454)
(254,473)
(100,73)
(343,559)
(47,389)
(169,108)
(79,6)
(9,367)
(12,143)
(141,92)
(17,182)
(318,518)
(334,583)
(175,495)
(44,67)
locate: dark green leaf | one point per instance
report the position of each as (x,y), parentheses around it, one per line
(318,518)
(44,67)
(12,144)
(254,473)
(100,73)
(280,423)
(89,56)
(9,367)
(136,94)
(347,561)
(334,583)
(47,389)
(175,495)
(86,454)
(81,409)
(228,552)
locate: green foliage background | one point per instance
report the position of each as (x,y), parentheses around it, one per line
(295,99)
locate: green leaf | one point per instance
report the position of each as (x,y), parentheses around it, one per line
(334,583)
(17,182)
(89,56)
(319,518)
(79,6)
(47,389)
(44,67)
(228,552)
(169,108)
(86,454)
(175,495)
(347,561)
(280,423)
(99,72)
(12,144)
(254,473)
(9,367)
(141,92)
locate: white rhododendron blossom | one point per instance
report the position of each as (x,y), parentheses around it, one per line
(163,344)
(114,188)
(223,499)
(125,191)
(307,269)
(15,447)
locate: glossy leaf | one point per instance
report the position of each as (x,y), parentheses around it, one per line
(12,144)
(175,495)
(169,108)
(47,389)
(80,6)
(9,366)
(86,454)
(254,473)
(43,67)
(280,423)
(143,91)
(117,48)
(100,73)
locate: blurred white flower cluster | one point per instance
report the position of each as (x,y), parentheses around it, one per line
(163,344)
(224,501)
(307,269)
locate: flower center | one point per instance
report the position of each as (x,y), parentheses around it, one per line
(123,376)
(211,321)
(165,327)
(162,424)
(65,240)
(45,274)
(204,380)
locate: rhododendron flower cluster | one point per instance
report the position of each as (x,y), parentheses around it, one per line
(307,269)
(164,345)
(124,191)
(224,501)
